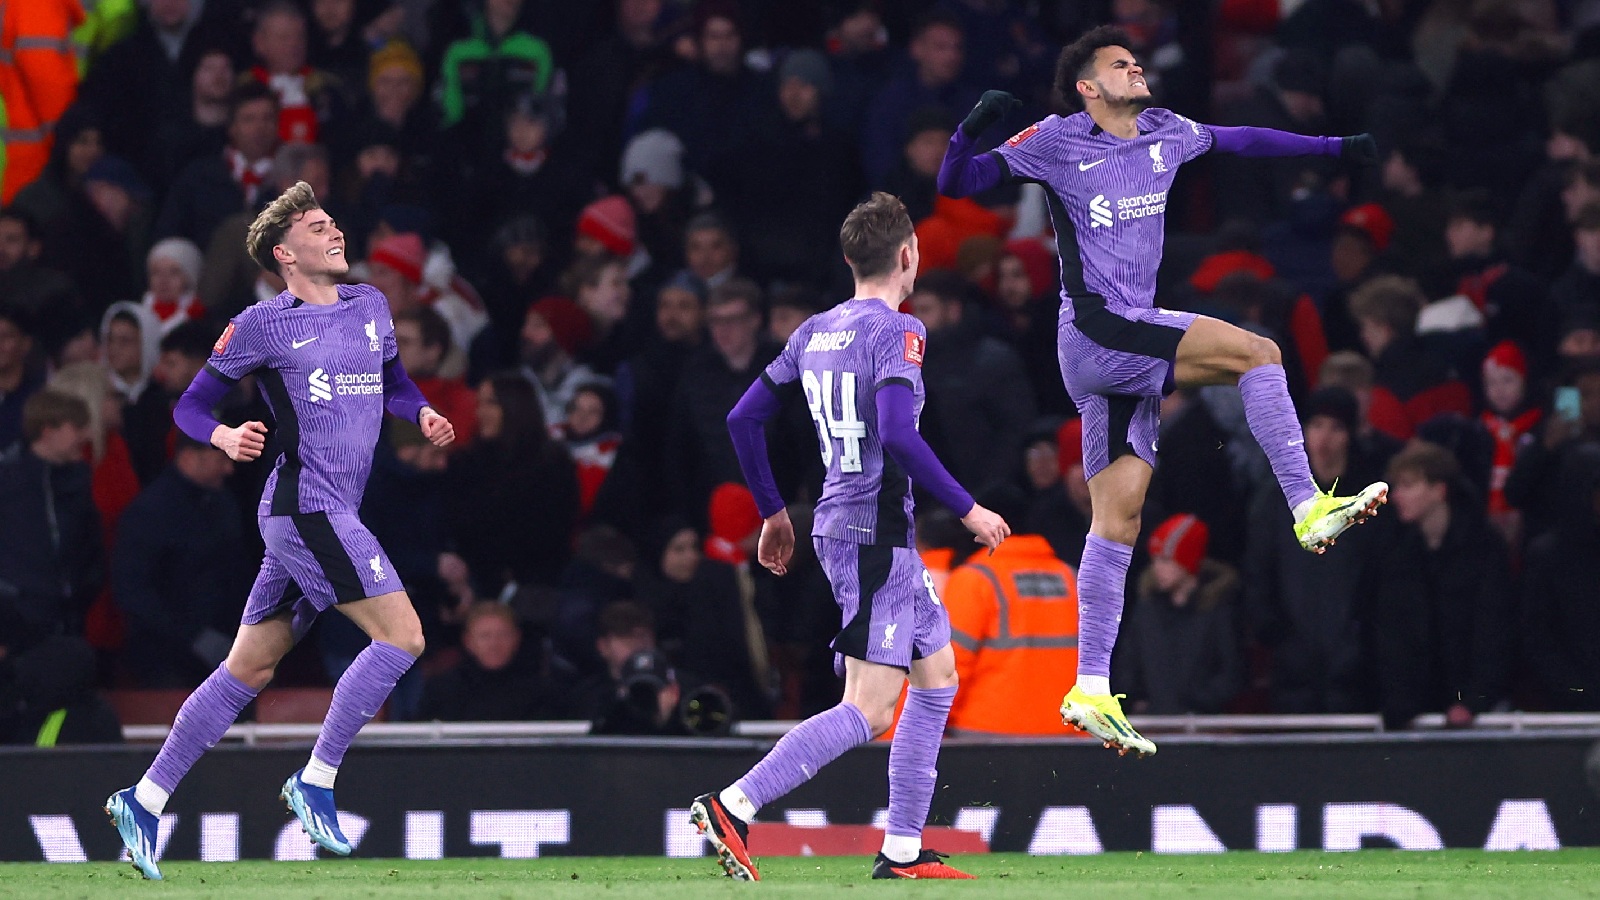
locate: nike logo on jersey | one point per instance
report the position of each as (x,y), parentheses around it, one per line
(1084,167)
(298,344)
(1296,443)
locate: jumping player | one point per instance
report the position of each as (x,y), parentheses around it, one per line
(1106,172)
(325,356)
(860,365)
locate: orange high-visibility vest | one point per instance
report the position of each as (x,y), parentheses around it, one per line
(1014,627)
(38,81)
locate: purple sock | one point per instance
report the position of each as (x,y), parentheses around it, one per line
(1102,578)
(202,721)
(913,755)
(1273,421)
(358,696)
(803,752)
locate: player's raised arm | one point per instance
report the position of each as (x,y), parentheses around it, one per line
(963,173)
(1247,140)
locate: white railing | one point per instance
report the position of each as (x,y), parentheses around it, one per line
(251,734)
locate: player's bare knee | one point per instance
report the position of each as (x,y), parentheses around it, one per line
(255,675)
(410,641)
(1261,351)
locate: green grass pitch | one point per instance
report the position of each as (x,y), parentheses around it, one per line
(1455,874)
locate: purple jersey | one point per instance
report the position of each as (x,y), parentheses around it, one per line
(1108,199)
(840,357)
(321,370)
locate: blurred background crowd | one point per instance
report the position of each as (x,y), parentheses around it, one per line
(596,222)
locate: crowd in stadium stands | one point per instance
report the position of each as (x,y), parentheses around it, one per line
(596,222)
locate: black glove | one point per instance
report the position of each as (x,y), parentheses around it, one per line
(1361,149)
(992,107)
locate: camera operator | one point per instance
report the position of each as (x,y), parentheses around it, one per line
(641,693)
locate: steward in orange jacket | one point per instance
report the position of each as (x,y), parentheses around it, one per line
(38,81)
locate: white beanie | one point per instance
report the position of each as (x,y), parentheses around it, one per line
(656,156)
(181,251)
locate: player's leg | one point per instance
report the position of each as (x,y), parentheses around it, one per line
(875,645)
(1119,448)
(347,567)
(1215,352)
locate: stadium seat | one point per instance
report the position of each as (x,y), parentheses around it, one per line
(293,705)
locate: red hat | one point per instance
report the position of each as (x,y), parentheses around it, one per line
(733,516)
(1508,355)
(1370,219)
(570,324)
(1218,266)
(403,253)
(1183,540)
(1069,445)
(1040,264)
(609,220)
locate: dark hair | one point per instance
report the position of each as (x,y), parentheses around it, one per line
(51,409)
(30,225)
(192,339)
(1432,462)
(1475,205)
(246,93)
(1077,58)
(523,430)
(1390,299)
(793,296)
(585,272)
(520,229)
(947,286)
(873,233)
(435,330)
(710,220)
(623,618)
(603,547)
(608,401)
(737,289)
(936,18)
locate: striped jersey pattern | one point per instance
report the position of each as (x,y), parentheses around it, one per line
(1107,198)
(320,369)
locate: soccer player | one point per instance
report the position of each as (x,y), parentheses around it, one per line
(860,365)
(325,356)
(1106,172)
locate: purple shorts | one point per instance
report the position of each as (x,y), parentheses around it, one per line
(1117,367)
(891,612)
(313,561)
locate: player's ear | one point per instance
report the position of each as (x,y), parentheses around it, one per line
(1087,90)
(282,254)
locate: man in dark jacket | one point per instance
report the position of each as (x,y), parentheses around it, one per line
(50,560)
(175,572)
(212,188)
(1442,602)
(492,683)
(48,698)
(1561,595)
(979,406)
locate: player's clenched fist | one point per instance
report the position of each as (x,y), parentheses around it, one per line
(986,526)
(243,443)
(436,428)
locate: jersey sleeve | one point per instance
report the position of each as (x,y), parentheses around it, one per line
(241,349)
(1194,139)
(1033,152)
(898,353)
(786,368)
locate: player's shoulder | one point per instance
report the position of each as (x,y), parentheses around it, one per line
(263,311)
(1051,127)
(1158,119)
(363,293)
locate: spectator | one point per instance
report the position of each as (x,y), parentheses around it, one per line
(512,496)
(481,75)
(114,480)
(337,46)
(590,432)
(19,378)
(1511,298)
(1535,483)
(699,452)
(31,289)
(789,308)
(601,573)
(1353,372)
(41,78)
(638,692)
(710,250)
(1026,300)
(1362,237)
(57,703)
(1411,384)
(915,171)
(193,126)
(1509,420)
(599,285)
(230,280)
(102,238)
(50,562)
(713,104)
(492,682)
(1306,609)
(1412,175)
(79,141)
(172,271)
(1578,288)
(395,104)
(795,178)
(308,99)
(131,336)
(1289,99)
(395,268)
(554,331)
(663,195)
(1184,656)
(212,188)
(183,354)
(978,406)
(1201,473)
(1442,598)
(932,79)
(178,572)
(609,74)
(1014,628)
(1058,495)
(518,267)
(1561,593)
(423,338)
(607,227)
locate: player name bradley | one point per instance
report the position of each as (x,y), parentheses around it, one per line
(829,341)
